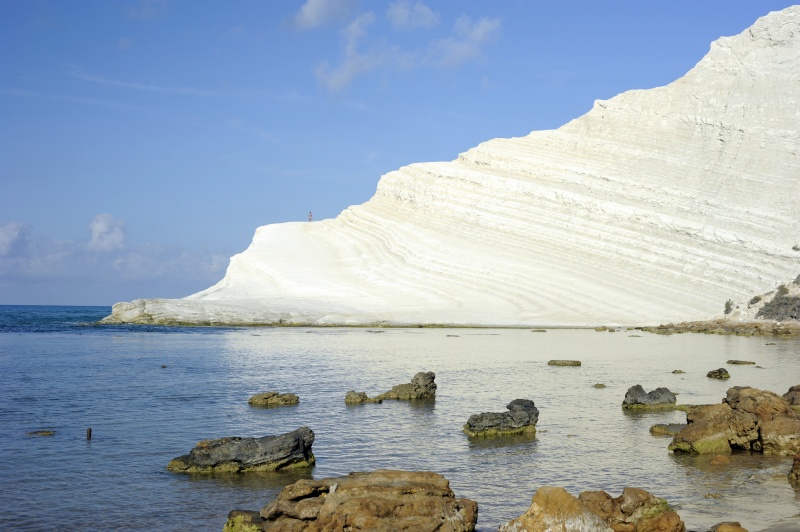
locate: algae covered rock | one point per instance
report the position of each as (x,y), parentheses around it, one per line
(357,398)
(748,418)
(273,399)
(720,373)
(521,418)
(238,455)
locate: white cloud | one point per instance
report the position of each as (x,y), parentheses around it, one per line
(107,233)
(354,62)
(315,13)
(13,237)
(402,15)
(148,9)
(467,41)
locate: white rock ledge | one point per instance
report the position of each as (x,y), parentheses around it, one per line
(657,205)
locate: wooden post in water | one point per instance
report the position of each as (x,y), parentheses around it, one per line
(89,434)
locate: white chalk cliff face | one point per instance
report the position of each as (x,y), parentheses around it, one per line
(657,205)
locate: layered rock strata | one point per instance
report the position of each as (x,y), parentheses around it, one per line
(238,455)
(657,205)
(379,500)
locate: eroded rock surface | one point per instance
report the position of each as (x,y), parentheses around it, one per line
(378,500)
(421,387)
(237,455)
(521,418)
(554,509)
(748,418)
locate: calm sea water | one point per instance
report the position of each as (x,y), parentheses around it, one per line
(60,371)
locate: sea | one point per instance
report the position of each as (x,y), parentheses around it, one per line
(150,393)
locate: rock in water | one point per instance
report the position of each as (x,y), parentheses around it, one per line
(380,500)
(521,418)
(748,418)
(720,373)
(237,455)
(657,205)
(637,399)
(420,387)
(274,399)
(794,473)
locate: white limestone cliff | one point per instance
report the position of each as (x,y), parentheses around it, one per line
(657,205)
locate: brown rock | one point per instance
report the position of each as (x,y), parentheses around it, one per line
(728,526)
(634,511)
(552,508)
(273,399)
(794,474)
(747,418)
(357,398)
(793,395)
(720,460)
(379,500)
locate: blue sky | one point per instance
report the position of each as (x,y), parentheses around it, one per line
(143,141)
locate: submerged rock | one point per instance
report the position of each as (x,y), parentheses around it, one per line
(748,418)
(41,433)
(666,429)
(521,418)
(740,362)
(554,509)
(637,399)
(720,373)
(564,363)
(274,399)
(378,500)
(237,455)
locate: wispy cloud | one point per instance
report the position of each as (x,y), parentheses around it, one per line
(24,93)
(104,257)
(108,233)
(404,15)
(354,62)
(316,13)
(467,41)
(147,87)
(148,9)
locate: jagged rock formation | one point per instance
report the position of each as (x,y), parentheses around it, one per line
(637,399)
(657,205)
(521,418)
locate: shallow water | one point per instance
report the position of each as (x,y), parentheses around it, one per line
(56,374)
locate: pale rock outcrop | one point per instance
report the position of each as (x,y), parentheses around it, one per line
(378,500)
(657,205)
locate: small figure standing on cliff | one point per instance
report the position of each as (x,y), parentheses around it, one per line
(309,216)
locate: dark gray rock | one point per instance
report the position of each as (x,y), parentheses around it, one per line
(235,454)
(637,398)
(720,373)
(521,418)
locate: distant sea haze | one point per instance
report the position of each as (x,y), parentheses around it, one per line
(150,393)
